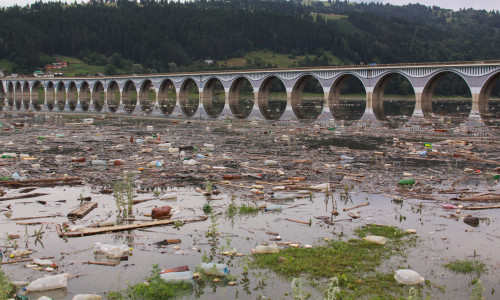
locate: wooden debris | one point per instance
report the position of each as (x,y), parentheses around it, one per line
(92,231)
(42,182)
(83,210)
(479,198)
(481,207)
(34,195)
(38,217)
(353,215)
(96,263)
(301,222)
(357,206)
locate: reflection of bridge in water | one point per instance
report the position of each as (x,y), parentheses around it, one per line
(244,93)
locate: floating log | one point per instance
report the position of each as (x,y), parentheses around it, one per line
(38,217)
(301,222)
(357,206)
(92,231)
(481,207)
(34,195)
(41,182)
(479,198)
(83,210)
(353,215)
(88,262)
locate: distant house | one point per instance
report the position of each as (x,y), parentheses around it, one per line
(1,73)
(209,61)
(38,74)
(57,65)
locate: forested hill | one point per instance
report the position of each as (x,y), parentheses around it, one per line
(164,37)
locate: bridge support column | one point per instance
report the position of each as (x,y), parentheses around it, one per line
(475,119)
(256,114)
(326,114)
(121,106)
(288,114)
(369,115)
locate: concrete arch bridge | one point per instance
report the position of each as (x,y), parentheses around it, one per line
(243,94)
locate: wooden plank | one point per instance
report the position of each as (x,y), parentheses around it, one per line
(83,210)
(92,231)
(34,195)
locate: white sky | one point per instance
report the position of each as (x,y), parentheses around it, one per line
(451,4)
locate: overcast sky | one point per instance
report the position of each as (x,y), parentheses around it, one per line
(452,4)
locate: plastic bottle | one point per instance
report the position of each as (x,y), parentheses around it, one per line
(345,157)
(175,269)
(20,252)
(270,163)
(87,297)
(272,207)
(375,239)
(111,251)
(283,196)
(16,176)
(214,269)
(410,277)
(42,262)
(186,276)
(98,162)
(409,181)
(172,195)
(48,283)
(266,249)
(256,191)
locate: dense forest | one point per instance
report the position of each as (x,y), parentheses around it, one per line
(172,36)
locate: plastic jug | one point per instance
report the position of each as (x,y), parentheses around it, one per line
(111,251)
(283,196)
(48,283)
(272,208)
(410,277)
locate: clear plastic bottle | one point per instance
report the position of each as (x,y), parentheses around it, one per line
(98,162)
(214,269)
(270,163)
(266,249)
(272,207)
(48,283)
(186,276)
(283,196)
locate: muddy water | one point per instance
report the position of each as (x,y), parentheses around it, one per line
(441,237)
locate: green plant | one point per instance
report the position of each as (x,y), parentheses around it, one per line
(466,266)
(332,290)
(7,288)
(123,194)
(298,292)
(477,290)
(38,235)
(178,224)
(345,193)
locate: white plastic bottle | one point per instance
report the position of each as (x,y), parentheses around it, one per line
(272,207)
(186,276)
(266,249)
(214,269)
(48,283)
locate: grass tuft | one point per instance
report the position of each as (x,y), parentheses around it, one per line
(466,266)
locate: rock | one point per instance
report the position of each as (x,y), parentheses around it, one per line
(472,221)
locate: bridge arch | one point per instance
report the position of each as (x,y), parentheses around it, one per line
(60,96)
(50,96)
(18,95)
(26,95)
(37,95)
(379,88)
(272,106)
(147,96)
(213,97)
(98,97)
(338,107)
(167,97)
(113,96)
(72,96)
(10,94)
(3,96)
(84,96)
(430,86)
(485,93)
(312,107)
(189,99)
(129,96)
(241,97)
